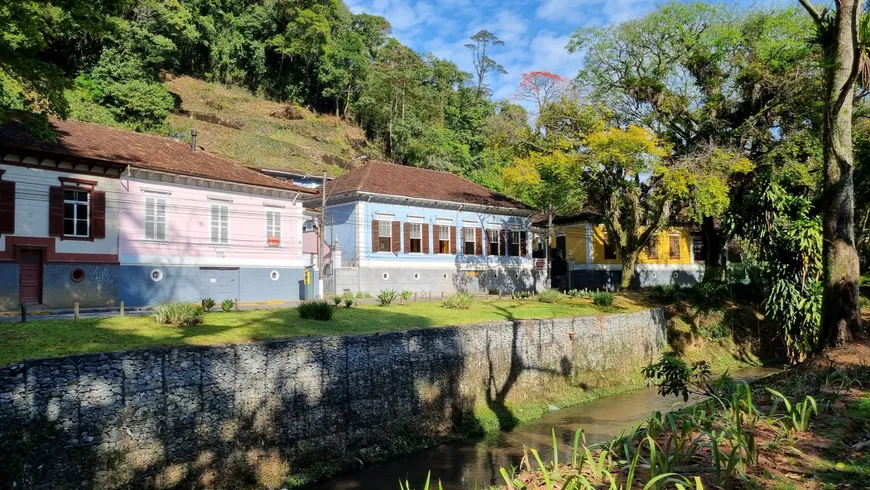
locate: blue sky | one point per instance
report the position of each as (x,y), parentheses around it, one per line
(535,32)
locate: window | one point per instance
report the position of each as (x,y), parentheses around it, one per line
(385,236)
(220,223)
(609,249)
(444,239)
(155,218)
(652,249)
(76,213)
(514,250)
(468,240)
(492,236)
(675,246)
(415,239)
(273,228)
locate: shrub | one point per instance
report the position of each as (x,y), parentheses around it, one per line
(549,296)
(348,302)
(521,294)
(208,304)
(602,298)
(316,309)
(386,297)
(227,305)
(336,300)
(458,301)
(406,295)
(178,313)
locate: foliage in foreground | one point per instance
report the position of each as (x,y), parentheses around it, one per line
(317,309)
(602,298)
(387,296)
(549,296)
(178,313)
(458,301)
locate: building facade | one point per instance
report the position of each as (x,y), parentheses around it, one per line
(429,232)
(588,261)
(97,216)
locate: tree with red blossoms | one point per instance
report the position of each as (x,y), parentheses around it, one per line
(541,87)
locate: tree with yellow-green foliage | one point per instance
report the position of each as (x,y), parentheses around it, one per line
(619,173)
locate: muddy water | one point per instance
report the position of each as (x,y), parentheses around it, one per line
(475,462)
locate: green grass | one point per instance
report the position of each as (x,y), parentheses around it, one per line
(52,338)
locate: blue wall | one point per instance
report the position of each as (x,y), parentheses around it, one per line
(8,286)
(401,213)
(98,289)
(257,285)
(344,216)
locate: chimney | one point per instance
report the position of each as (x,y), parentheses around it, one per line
(193,140)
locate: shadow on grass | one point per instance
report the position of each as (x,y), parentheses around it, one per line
(264,414)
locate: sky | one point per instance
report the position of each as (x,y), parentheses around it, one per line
(535,32)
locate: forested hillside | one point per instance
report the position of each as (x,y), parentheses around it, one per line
(275,68)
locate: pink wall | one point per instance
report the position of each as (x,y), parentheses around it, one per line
(189,226)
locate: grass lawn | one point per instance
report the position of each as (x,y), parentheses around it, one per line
(52,338)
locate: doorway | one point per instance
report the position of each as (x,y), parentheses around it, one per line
(30,276)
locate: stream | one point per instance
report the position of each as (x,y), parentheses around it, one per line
(475,462)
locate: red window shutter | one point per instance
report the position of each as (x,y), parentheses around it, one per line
(453,240)
(425,227)
(478,233)
(98,215)
(55,211)
(7,208)
(503,244)
(375,236)
(396,245)
(523,249)
(436,239)
(407,237)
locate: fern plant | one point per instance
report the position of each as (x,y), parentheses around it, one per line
(227,305)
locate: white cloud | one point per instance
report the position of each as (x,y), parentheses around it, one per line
(592,12)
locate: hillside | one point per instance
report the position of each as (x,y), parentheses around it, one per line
(261,133)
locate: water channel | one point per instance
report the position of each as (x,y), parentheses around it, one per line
(466,463)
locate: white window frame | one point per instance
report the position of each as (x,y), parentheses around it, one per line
(381,235)
(275,227)
(490,241)
(441,230)
(515,238)
(419,231)
(221,226)
(75,216)
(466,241)
(156,218)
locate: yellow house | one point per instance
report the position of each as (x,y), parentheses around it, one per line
(583,259)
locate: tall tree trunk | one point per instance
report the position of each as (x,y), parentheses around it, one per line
(841,316)
(713,266)
(629,260)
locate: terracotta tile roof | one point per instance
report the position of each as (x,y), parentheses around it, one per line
(102,144)
(400,180)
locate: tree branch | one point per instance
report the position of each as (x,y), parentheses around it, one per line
(817,17)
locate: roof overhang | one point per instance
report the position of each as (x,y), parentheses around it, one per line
(355,196)
(192,180)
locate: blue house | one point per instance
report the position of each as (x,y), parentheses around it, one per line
(426,231)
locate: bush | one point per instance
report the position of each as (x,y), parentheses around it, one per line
(386,297)
(208,304)
(406,295)
(521,294)
(458,301)
(348,302)
(579,293)
(227,305)
(178,313)
(549,296)
(317,309)
(602,298)
(336,300)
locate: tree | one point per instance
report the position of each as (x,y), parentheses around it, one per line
(838,35)
(541,87)
(344,66)
(483,64)
(702,76)
(548,182)
(620,170)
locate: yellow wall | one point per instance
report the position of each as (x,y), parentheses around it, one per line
(575,239)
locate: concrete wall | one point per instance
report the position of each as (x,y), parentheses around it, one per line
(438,280)
(230,416)
(645,276)
(8,286)
(98,289)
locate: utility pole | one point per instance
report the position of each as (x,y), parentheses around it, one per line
(322,225)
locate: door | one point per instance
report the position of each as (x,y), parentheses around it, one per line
(220,283)
(559,264)
(30,276)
